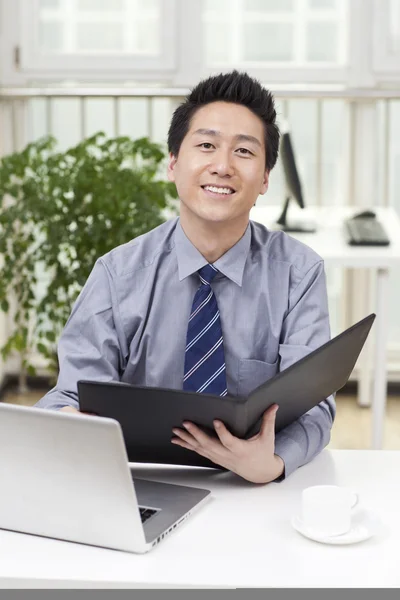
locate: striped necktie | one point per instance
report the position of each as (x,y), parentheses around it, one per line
(204,356)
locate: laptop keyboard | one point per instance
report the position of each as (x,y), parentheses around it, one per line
(146,513)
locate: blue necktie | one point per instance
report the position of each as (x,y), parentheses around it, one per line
(204,356)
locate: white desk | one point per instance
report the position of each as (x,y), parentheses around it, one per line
(329,241)
(241,538)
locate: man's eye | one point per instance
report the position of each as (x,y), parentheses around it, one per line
(244,151)
(206,145)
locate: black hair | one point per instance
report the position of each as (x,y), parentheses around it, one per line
(235,87)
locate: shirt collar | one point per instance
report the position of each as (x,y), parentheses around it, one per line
(231,264)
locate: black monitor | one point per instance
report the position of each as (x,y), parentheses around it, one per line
(293,188)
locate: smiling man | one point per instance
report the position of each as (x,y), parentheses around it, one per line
(210,301)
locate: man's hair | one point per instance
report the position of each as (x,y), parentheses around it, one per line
(235,87)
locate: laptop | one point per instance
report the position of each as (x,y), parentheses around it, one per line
(67,476)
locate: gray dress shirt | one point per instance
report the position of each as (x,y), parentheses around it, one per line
(130,321)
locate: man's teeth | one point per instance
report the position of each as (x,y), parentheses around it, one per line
(218,190)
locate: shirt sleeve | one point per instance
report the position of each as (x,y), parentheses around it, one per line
(89,347)
(305,328)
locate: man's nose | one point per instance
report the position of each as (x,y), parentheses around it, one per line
(222,164)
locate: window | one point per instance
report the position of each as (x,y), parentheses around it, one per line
(176,42)
(387,36)
(97,35)
(99,27)
(297,33)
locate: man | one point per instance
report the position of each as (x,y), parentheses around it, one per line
(209,302)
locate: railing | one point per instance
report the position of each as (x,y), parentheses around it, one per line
(17,106)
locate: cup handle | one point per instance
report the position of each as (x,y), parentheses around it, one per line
(355,500)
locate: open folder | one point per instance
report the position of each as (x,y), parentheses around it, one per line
(148,414)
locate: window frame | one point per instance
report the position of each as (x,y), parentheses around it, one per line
(385,62)
(35,65)
(183,64)
(299,18)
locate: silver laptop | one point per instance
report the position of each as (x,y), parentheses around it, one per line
(67,476)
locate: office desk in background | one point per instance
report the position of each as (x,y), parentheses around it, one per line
(329,241)
(242,537)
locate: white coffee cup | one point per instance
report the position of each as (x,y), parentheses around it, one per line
(326,509)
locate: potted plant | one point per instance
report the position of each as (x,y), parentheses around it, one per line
(60,211)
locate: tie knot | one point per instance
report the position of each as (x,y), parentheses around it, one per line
(207,274)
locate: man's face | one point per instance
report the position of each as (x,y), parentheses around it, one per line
(220,169)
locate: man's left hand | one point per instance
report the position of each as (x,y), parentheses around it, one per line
(252,459)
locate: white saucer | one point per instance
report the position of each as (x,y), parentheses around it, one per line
(364,524)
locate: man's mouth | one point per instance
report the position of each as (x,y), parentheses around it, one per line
(217,189)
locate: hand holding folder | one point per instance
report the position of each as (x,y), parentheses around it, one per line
(147,414)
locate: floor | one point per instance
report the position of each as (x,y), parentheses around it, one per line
(351,430)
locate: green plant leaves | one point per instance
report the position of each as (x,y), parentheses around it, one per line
(62,210)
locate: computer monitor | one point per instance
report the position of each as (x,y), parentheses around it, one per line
(293,188)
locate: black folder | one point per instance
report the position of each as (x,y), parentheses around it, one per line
(148,414)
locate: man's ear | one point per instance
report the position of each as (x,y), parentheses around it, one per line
(264,185)
(171,166)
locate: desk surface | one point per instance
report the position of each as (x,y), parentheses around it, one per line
(242,537)
(329,241)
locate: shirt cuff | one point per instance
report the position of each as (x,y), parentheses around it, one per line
(290,452)
(55,401)
(51,406)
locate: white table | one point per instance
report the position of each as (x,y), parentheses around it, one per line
(241,538)
(329,241)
